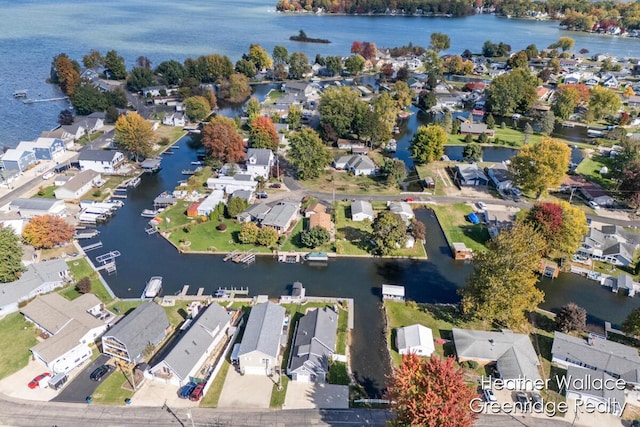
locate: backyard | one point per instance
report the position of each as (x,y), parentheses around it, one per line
(21,336)
(204,237)
(456,227)
(590,168)
(79,269)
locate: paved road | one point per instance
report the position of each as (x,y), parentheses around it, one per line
(77,390)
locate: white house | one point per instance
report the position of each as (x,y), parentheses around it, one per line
(43,148)
(260,347)
(259,162)
(361,210)
(78,185)
(174,119)
(393,292)
(230,184)
(356,164)
(103,161)
(403,209)
(415,339)
(30,208)
(212,201)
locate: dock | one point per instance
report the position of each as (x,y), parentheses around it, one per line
(86,234)
(231,292)
(109,256)
(109,267)
(92,247)
(230,256)
(184,290)
(32,101)
(289,257)
(244,258)
(200,292)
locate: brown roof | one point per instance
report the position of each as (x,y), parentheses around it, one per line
(316,208)
(320,219)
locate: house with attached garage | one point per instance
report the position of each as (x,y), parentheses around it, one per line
(78,185)
(71,326)
(314,343)
(231,184)
(184,361)
(259,352)
(281,216)
(403,209)
(30,208)
(103,161)
(44,148)
(18,160)
(259,162)
(142,329)
(416,339)
(357,164)
(255,213)
(361,210)
(500,177)
(59,133)
(75,130)
(39,278)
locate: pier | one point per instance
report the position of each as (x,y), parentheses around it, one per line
(32,101)
(230,256)
(289,257)
(108,257)
(92,247)
(231,292)
(244,258)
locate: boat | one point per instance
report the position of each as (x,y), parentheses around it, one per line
(153,288)
(20,93)
(396,129)
(169,152)
(392,146)
(188,172)
(317,257)
(134,182)
(568,125)
(197,163)
(149,213)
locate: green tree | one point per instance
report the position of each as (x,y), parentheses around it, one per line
(334,65)
(114,66)
(394,170)
(171,72)
(490,121)
(389,232)
(294,117)
(571,318)
(88,99)
(236,205)
(93,59)
(567,98)
(447,121)
(527,131)
(197,108)
(235,89)
(338,109)
(267,236)
(315,237)
(215,67)
(440,42)
(139,78)
(472,152)
(427,144)
(298,65)
(246,67)
(532,51)
(513,93)
(631,325)
(10,255)
(501,289)
(518,60)
(354,64)
(249,233)
(604,102)
(564,43)
(280,55)
(134,134)
(253,109)
(403,95)
(546,122)
(538,167)
(308,154)
(260,57)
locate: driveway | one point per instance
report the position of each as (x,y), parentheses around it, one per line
(246,391)
(15,385)
(301,395)
(156,393)
(78,389)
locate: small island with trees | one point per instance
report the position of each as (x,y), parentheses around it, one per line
(302,37)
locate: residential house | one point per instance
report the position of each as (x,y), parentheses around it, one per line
(361,210)
(212,201)
(500,177)
(174,119)
(39,278)
(610,81)
(475,129)
(315,208)
(103,161)
(461,251)
(281,216)
(75,130)
(245,195)
(138,332)
(584,386)
(230,184)
(153,91)
(183,362)
(609,244)
(59,133)
(416,339)
(393,292)
(255,212)
(260,347)
(30,208)
(403,209)
(515,358)
(18,160)
(356,164)
(259,162)
(78,185)
(299,89)
(43,148)
(470,175)
(71,325)
(314,343)
(322,220)
(572,79)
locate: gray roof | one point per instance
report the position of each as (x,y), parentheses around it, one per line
(600,354)
(361,206)
(621,249)
(261,156)
(97,155)
(140,328)
(589,376)
(35,276)
(80,180)
(53,312)
(473,127)
(413,336)
(263,330)
(315,341)
(360,162)
(35,204)
(257,210)
(471,172)
(196,341)
(62,342)
(513,353)
(280,214)
(402,209)
(242,194)
(150,163)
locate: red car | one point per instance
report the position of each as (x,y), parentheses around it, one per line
(36,381)
(409,199)
(196,394)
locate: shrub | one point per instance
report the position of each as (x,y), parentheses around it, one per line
(97,192)
(84,285)
(221,227)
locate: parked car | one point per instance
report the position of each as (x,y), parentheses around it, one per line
(36,381)
(99,372)
(48,175)
(409,200)
(481,205)
(488,395)
(262,195)
(536,398)
(185,391)
(593,205)
(276,185)
(522,399)
(196,394)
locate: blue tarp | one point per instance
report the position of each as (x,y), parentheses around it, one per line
(473,218)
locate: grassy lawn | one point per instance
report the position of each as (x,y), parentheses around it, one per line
(80,268)
(124,307)
(175,216)
(590,169)
(342,182)
(210,400)
(103,192)
(172,133)
(111,390)
(18,336)
(273,96)
(338,374)
(341,339)
(45,193)
(205,237)
(456,227)
(177,313)
(294,242)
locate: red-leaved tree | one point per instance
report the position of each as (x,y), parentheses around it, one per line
(47,231)
(223,141)
(546,218)
(430,392)
(263,133)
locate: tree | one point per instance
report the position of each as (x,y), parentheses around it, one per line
(171,72)
(440,42)
(430,391)
(221,138)
(236,205)
(540,166)
(389,232)
(65,117)
(316,236)
(560,224)
(139,78)
(418,230)
(568,97)
(631,325)
(427,144)
(369,50)
(93,59)
(532,51)
(571,317)
(10,255)
(65,73)
(253,109)
(604,102)
(403,95)
(249,233)
(513,93)
(197,108)
(334,65)
(564,43)
(260,57)
(338,109)
(267,236)
(280,55)
(294,117)
(502,288)
(298,65)
(472,152)
(235,89)
(308,154)
(47,231)
(134,134)
(546,122)
(84,285)
(427,100)
(518,60)
(88,99)
(263,133)
(628,91)
(114,66)
(394,170)
(246,67)
(447,121)
(354,64)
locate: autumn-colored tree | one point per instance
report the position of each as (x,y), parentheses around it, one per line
(47,231)
(263,133)
(568,97)
(10,255)
(134,134)
(604,102)
(267,236)
(430,392)
(356,47)
(197,108)
(628,91)
(84,285)
(259,56)
(249,233)
(502,287)
(560,224)
(235,89)
(223,141)
(66,74)
(546,218)
(427,144)
(439,42)
(571,317)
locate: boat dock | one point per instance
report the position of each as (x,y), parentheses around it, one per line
(86,234)
(32,101)
(229,256)
(289,257)
(241,257)
(92,247)
(231,292)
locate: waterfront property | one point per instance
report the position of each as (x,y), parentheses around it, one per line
(231,184)
(102,161)
(415,339)
(212,201)
(361,210)
(281,216)
(356,164)
(78,185)
(43,148)
(584,386)
(138,332)
(259,162)
(259,351)
(18,159)
(403,209)
(393,292)
(609,244)
(470,175)
(30,208)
